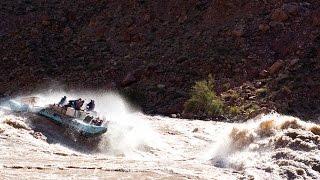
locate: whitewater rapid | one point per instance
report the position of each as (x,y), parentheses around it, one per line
(138,146)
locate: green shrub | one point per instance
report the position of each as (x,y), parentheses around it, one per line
(234,110)
(204,99)
(230,95)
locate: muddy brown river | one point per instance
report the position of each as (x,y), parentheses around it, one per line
(138,146)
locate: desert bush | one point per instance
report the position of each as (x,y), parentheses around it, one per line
(230,95)
(204,99)
(234,110)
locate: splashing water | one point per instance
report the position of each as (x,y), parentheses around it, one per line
(127,132)
(270,144)
(273,145)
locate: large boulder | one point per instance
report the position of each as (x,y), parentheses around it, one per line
(275,68)
(129,79)
(279,15)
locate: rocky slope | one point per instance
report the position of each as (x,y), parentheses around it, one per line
(153,52)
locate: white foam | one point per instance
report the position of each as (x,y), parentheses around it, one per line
(129,134)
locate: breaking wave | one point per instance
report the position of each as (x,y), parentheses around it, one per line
(277,145)
(128,134)
(273,145)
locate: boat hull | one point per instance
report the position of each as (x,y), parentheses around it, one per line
(85,129)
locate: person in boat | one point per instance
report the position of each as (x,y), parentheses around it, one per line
(78,104)
(73,103)
(62,101)
(91,105)
(97,122)
(87,119)
(81,103)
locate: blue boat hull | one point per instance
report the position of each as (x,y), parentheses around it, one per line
(85,129)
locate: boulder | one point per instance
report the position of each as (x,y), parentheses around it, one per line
(133,77)
(276,24)
(291,8)
(316,18)
(181,59)
(279,15)
(294,62)
(173,115)
(264,27)
(238,32)
(67,31)
(129,79)
(161,86)
(276,67)
(264,73)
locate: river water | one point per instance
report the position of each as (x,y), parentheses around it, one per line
(138,146)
